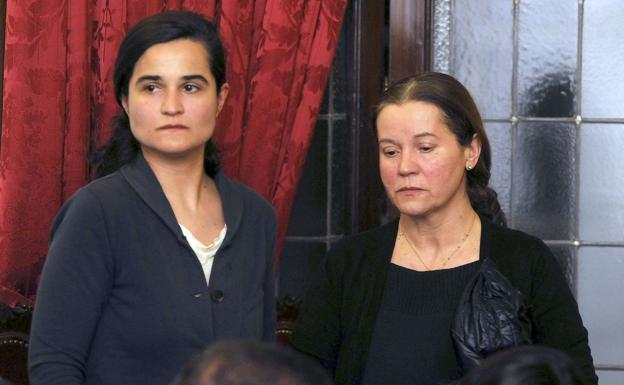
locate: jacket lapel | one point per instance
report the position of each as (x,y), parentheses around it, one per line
(143,180)
(232,205)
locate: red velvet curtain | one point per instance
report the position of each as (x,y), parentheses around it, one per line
(58,102)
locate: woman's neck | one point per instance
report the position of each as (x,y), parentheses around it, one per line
(437,235)
(182,179)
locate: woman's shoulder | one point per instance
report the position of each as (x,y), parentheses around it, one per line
(376,243)
(385,232)
(511,240)
(517,253)
(88,205)
(104,188)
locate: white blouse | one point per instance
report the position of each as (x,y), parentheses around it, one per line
(204,253)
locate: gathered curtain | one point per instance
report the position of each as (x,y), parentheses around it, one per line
(58,103)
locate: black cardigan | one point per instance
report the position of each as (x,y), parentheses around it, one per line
(339,311)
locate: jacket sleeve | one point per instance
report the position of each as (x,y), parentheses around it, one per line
(557,319)
(317,331)
(75,284)
(270,311)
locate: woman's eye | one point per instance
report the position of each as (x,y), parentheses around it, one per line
(190,88)
(390,153)
(425,148)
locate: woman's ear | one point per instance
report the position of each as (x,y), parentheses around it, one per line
(124,103)
(472,152)
(222,97)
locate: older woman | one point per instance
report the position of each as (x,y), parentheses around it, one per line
(424,298)
(162,255)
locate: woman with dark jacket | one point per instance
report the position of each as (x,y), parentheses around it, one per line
(162,255)
(426,297)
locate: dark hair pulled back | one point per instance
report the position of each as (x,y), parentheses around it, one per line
(463,119)
(122,147)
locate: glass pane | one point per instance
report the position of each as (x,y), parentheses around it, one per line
(601,207)
(483,50)
(565,257)
(299,260)
(311,198)
(441,35)
(341,175)
(547,39)
(499,135)
(600,272)
(543,192)
(603,55)
(610,377)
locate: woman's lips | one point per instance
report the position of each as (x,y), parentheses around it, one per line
(172,127)
(408,189)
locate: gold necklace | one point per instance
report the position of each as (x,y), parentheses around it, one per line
(448,258)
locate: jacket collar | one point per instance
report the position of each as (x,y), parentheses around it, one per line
(485,245)
(143,180)
(232,203)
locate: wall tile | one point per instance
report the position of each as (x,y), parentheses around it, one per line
(600,272)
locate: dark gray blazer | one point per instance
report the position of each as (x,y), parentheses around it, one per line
(123,298)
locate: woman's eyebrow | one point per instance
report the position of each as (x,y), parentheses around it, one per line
(417,136)
(148,78)
(386,140)
(157,78)
(195,77)
(424,134)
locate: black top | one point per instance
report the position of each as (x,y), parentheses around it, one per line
(411,343)
(338,315)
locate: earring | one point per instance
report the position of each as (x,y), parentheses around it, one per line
(468,167)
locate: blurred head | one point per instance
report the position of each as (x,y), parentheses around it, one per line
(5,382)
(526,365)
(142,41)
(422,113)
(251,363)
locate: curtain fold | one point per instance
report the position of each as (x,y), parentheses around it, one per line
(33,138)
(58,103)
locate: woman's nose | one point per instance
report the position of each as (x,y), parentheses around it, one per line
(408,163)
(172,103)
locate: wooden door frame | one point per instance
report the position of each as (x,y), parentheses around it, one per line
(410,38)
(375,63)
